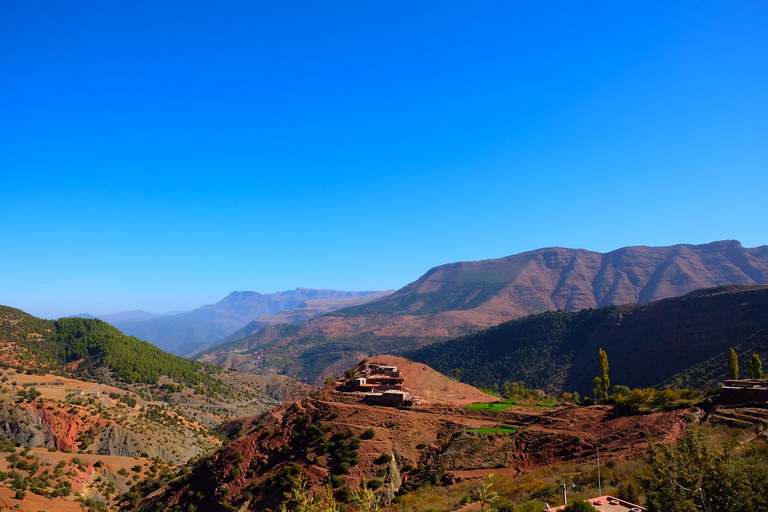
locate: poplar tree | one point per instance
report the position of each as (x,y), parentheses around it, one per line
(602,382)
(755,367)
(733,365)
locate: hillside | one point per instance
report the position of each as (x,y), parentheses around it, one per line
(456,299)
(333,437)
(79,395)
(683,338)
(190,332)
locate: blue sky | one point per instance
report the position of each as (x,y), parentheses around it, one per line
(159,155)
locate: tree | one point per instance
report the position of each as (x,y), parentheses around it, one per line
(484,494)
(365,499)
(580,506)
(755,367)
(733,365)
(676,472)
(602,382)
(691,476)
(620,391)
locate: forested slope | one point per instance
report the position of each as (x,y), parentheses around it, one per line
(646,343)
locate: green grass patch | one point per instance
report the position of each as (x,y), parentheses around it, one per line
(492,430)
(540,404)
(506,404)
(495,406)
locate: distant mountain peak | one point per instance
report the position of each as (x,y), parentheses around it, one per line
(190,332)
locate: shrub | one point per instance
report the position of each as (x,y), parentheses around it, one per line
(336,481)
(580,506)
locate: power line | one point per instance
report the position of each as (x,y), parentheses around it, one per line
(700,491)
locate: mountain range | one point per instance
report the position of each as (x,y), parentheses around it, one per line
(193,331)
(455,299)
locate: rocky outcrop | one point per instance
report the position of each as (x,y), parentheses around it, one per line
(22,425)
(60,428)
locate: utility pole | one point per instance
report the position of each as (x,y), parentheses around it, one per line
(599,481)
(565,496)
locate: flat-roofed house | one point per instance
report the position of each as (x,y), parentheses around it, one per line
(743,391)
(391,398)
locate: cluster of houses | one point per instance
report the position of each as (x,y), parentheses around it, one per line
(380,385)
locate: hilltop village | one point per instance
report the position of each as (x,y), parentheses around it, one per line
(379,384)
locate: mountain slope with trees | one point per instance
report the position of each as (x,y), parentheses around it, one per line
(685,339)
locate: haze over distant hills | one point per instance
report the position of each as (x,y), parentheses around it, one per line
(124,316)
(192,331)
(454,299)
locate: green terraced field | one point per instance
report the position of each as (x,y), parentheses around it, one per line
(492,430)
(500,406)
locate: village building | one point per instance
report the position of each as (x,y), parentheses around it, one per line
(381,385)
(388,371)
(607,504)
(744,391)
(383,382)
(391,398)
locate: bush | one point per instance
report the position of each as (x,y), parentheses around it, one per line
(336,481)
(580,506)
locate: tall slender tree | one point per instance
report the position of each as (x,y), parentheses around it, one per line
(755,367)
(733,365)
(602,382)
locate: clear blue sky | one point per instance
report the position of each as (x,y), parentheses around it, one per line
(159,155)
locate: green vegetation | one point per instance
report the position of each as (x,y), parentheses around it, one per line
(653,398)
(130,359)
(514,393)
(501,429)
(495,406)
(298,499)
(733,365)
(602,382)
(552,351)
(755,367)
(484,493)
(93,345)
(580,506)
(701,475)
(544,346)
